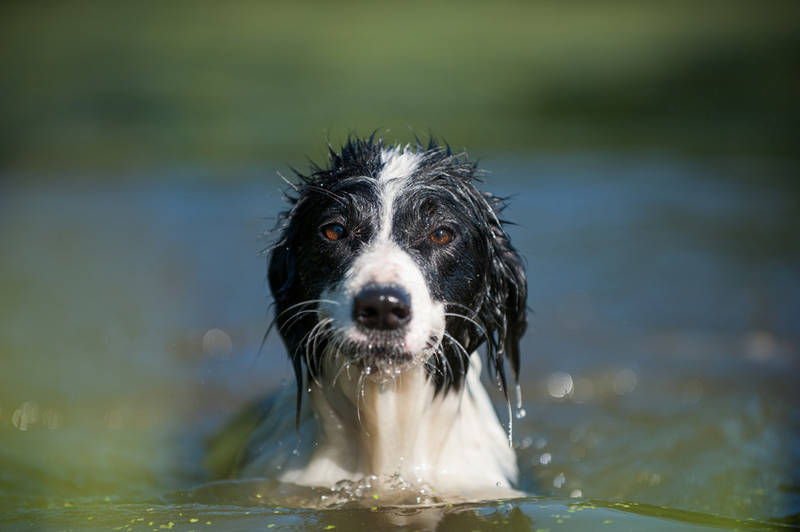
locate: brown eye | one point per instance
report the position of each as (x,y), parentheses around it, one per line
(441,236)
(333,232)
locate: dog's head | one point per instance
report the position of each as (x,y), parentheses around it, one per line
(391,258)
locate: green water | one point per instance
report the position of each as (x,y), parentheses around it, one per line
(658,378)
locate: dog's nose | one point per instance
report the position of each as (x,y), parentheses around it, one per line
(382,308)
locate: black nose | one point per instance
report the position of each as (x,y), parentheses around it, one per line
(382,308)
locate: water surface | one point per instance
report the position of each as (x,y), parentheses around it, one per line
(659,371)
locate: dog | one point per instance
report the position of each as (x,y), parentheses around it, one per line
(392,268)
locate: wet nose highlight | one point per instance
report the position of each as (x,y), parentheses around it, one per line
(379,307)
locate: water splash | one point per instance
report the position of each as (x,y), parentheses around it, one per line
(371,489)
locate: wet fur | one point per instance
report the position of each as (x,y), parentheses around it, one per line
(486,268)
(406,402)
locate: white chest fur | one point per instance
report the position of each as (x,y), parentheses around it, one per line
(452,441)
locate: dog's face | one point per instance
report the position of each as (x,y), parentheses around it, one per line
(391,259)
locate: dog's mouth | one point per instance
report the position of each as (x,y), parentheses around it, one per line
(384,355)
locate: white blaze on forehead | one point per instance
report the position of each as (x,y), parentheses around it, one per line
(384,262)
(398,166)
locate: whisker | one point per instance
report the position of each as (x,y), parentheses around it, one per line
(457,344)
(307,302)
(306,340)
(321,331)
(275,319)
(295,317)
(361,394)
(455,304)
(445,364)
(461,348)
(325,192)
(433,367)
(482,330)
(342,368)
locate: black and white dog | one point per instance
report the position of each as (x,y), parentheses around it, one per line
(392,268)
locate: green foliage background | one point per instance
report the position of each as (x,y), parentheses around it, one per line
(99,85)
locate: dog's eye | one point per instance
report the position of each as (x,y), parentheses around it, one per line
(441,236)
(333,232)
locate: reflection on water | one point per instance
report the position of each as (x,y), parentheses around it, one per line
(658,385)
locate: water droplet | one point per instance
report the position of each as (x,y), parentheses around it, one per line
(576,494)
(510,425)
(216,342)
(296,452)
(497,484)
(545,458)
(518,393)
(521,413)
(559,384)
(25,416)
(559,480)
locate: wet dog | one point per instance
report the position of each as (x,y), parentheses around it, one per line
(392,268)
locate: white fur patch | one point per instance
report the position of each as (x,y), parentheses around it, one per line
(398,164)
(398,167)
(452,442)
(384,262)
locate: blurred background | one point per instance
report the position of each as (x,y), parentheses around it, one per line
(89,87)
(651,152)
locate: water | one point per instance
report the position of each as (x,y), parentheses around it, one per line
(658,381)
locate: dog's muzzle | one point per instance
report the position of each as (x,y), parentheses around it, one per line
(382,308)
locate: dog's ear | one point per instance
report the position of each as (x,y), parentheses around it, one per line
(281,272)
(504,309)
(281,275)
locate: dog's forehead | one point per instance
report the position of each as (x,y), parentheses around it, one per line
(387,171)
(391,186)
(372,187)
(398,165)
(398,168)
